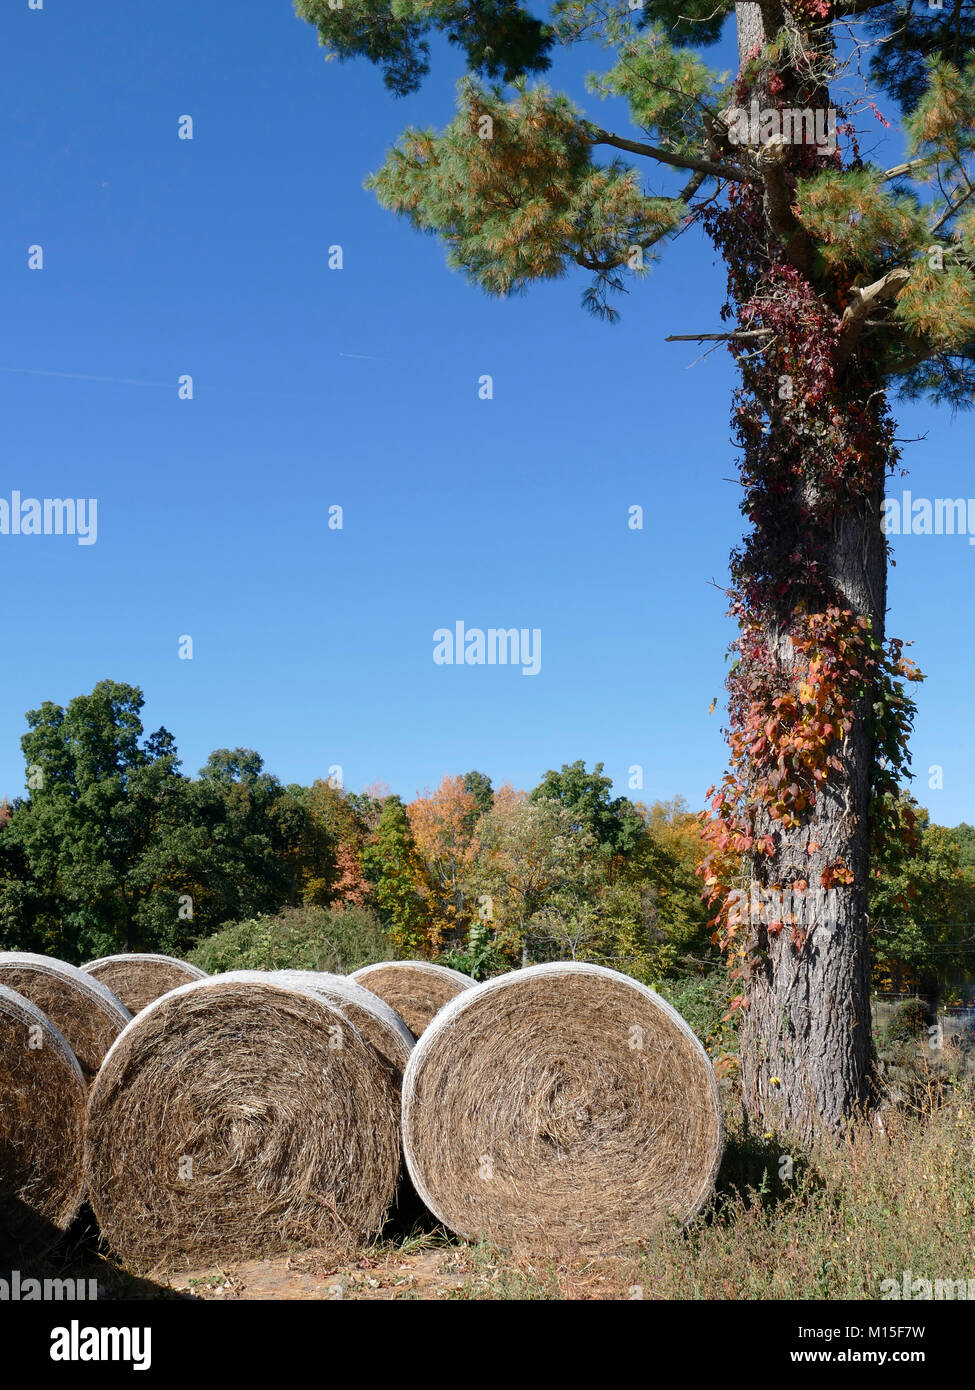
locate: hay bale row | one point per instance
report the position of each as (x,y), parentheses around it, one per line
(416,989)
(137,978)
(561,1107)
(84,1011)
(238,1117)
(42,1126)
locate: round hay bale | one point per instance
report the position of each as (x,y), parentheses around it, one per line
(42,1130)
(562,1107)
(416,989)
(380,1025)
(235,1119)
(138,978)
(83,1010)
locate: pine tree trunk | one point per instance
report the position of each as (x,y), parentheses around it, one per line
(806,1048)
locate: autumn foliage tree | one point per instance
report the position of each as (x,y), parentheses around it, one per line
(531,857)
(332,863)
(443,822)
(844,279)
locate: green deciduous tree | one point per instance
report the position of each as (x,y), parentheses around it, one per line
(964,836)
(101,799)
(394,866)
(922,915)
(478,785)
(530,857)
(614,823)
(115,849)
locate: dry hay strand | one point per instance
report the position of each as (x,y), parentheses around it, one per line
(84,1011)
(237,1119)
(138,978)
(42,1130)
(562,1108)
(416,989)
(380,1025)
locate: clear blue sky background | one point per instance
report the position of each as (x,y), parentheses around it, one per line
(359,387)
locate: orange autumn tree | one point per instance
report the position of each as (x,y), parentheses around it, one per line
(334,876)
(442,822)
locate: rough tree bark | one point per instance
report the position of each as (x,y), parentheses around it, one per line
(806,1049)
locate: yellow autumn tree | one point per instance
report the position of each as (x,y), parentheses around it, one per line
(442,822)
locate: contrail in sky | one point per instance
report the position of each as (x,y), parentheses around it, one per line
(84,376)
(131,381)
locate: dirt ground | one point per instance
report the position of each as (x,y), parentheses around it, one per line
(428,1266)
(424,1275)
(414,1258)
(451,1272)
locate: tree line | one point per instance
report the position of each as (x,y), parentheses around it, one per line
(113,847)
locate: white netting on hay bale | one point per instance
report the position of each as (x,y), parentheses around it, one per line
(380,1025)
(562,1107)
(42,1127)
(363,1006)
(137,978)
(84,1010)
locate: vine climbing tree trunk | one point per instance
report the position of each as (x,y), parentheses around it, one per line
(806,1055)
(809,593)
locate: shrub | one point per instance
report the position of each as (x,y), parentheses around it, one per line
(336,939)
(704,1001)
(908,1020)
(480,958)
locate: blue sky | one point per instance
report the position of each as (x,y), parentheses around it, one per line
(315,387)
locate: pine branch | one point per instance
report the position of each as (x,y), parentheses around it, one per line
(598,136)
(717,337)
(950,211)
(899,170)
(858,311)
(603,267)
(691,187)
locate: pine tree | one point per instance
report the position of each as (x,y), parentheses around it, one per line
(844,280)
